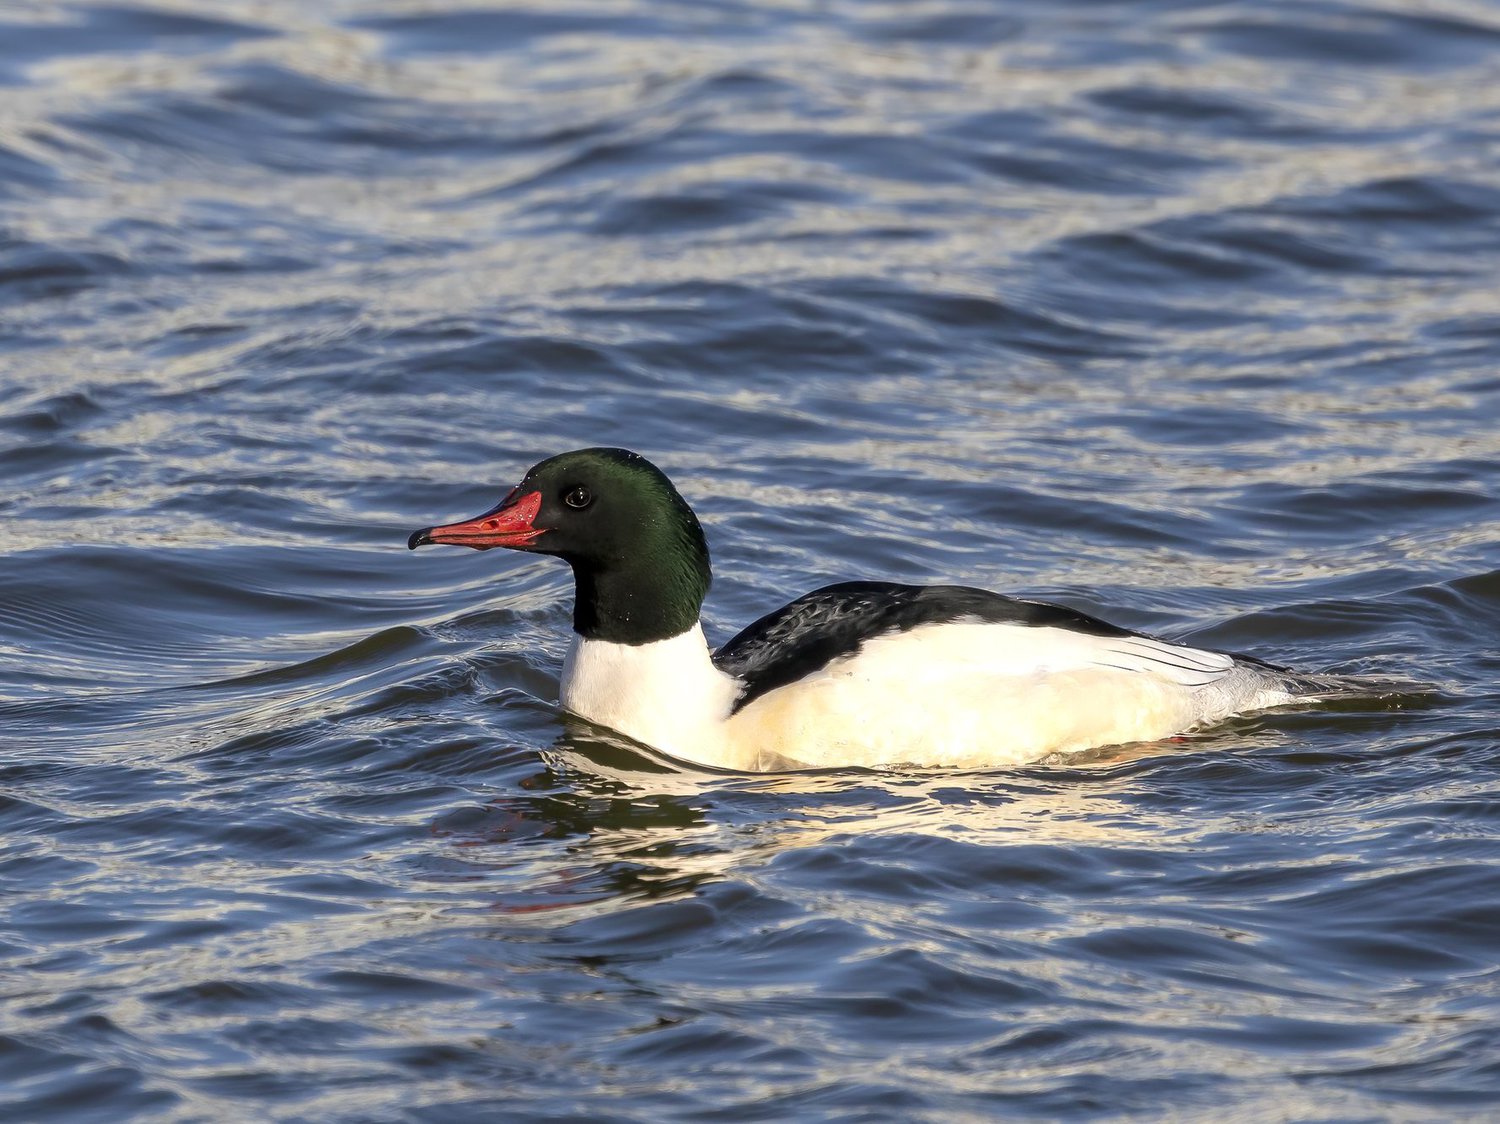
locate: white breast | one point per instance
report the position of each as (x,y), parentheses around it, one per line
(667,694)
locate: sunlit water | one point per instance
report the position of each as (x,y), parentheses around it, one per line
(1188,314)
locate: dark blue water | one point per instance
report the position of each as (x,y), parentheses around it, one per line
(1188,314)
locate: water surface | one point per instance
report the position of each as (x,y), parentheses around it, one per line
(1185,314)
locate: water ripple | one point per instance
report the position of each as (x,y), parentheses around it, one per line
(1179,313)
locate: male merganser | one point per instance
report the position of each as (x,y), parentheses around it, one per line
(858,673)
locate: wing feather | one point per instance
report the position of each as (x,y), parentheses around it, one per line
(838,621)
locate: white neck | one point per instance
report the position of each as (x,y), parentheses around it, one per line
(667,694)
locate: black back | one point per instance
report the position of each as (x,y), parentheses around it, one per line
(836,620)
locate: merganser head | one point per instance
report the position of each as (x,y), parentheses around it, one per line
(640,562)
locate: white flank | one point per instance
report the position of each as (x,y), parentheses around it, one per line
(983,694)
(961,694)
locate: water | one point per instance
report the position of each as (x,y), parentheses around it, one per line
(1181,313)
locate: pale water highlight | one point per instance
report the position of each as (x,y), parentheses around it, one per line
(1182,314)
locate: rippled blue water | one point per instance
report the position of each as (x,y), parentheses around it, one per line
(1188,314)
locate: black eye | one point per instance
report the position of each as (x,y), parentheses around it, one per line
(579,497)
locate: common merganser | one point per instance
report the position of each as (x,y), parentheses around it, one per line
(859,673)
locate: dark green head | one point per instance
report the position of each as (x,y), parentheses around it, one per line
(640,562)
